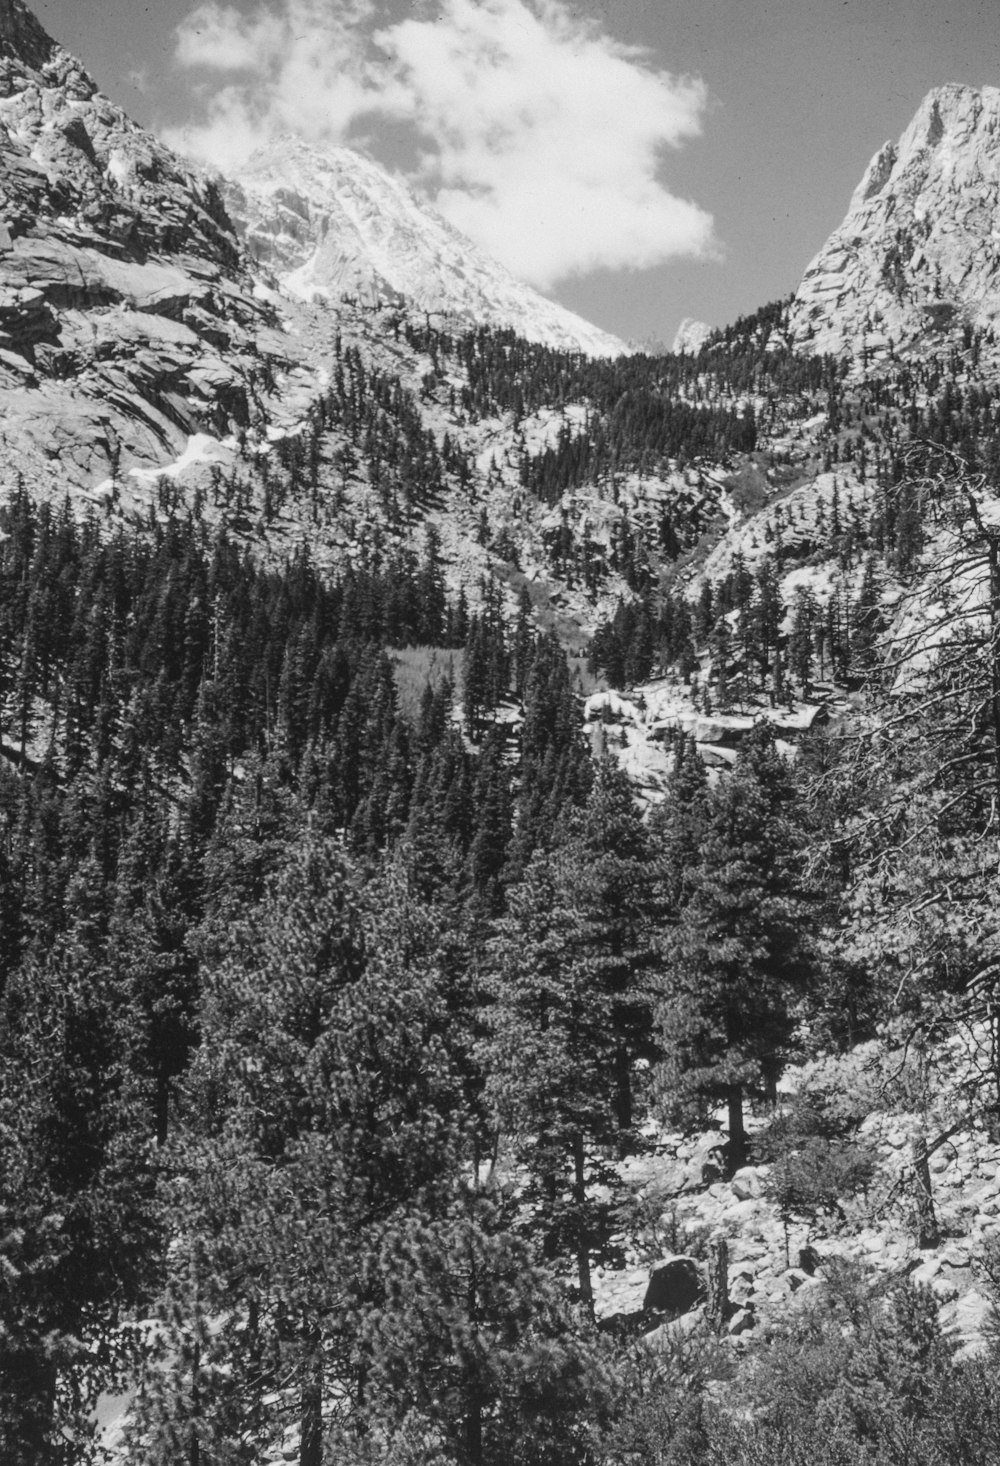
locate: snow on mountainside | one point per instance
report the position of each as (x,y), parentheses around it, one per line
(690,337)
(333,223)
(148,368)
(131,319)
(918,253)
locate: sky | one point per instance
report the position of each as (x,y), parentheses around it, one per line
(640,161)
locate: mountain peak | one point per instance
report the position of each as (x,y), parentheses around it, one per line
(333,222)
(917,252)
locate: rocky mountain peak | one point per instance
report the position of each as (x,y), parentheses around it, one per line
(332,222)
(128,320)
(22,38)
(917,254)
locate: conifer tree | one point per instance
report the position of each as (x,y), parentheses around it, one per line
(739,957)
(568,978)
(78,1223)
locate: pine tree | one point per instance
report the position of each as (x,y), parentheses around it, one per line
(78,1223)
(570,1012)
(739,957)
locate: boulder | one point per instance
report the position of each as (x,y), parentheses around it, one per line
(675,1286)
(704,1168)
(795,1278)
(747,1184)
(742,1282)
(742,1321)
(924,1274)
(809,1259)
(969,1317)
(673,1331)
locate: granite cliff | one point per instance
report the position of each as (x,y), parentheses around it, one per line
(918,254)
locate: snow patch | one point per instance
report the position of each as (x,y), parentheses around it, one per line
(201,448)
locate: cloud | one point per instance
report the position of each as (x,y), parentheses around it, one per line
(535,132)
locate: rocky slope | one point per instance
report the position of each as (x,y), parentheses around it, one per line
(128,320)
(918,253)
(681,1201)
(136,333)
(333,223)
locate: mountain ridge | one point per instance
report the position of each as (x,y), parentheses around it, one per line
(332,222)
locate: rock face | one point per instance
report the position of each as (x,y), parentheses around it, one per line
(333,223)
(919,251)
(128,320)
(21,36)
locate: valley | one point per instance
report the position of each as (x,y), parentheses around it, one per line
(498,827)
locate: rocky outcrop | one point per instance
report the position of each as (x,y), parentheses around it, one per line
(332,223)
(21,36)
(918,254)
(128,319)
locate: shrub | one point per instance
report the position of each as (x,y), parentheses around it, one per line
(648,1216)
(815,1166)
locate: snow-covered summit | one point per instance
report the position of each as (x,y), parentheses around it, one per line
(919,250)
(691,337)
(332,222)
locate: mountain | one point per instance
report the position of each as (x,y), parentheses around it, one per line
(333,223)
(690,337)
(918,253)
(155,358)
(313,893)
(137,332)
(129,320)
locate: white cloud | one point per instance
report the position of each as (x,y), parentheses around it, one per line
(539,135)
(217,36)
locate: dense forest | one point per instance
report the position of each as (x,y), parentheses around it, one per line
(340,978)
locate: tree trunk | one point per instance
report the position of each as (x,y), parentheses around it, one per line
(927,1227)
(474,1434)
(737,1129)
(311,1438)
(255,1364)
(717,1281)
(550,1187)
(161,1104)
(994,610)
(31,1384)
(194,1453)
(583,1235)
(623,1087)
(474,1407)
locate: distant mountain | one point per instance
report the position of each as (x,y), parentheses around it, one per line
(333,223)
(157,359)
(918,253)
(690,337)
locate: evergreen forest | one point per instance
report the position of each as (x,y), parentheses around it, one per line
(344,980)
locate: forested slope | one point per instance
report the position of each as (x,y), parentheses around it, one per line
(340,981)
